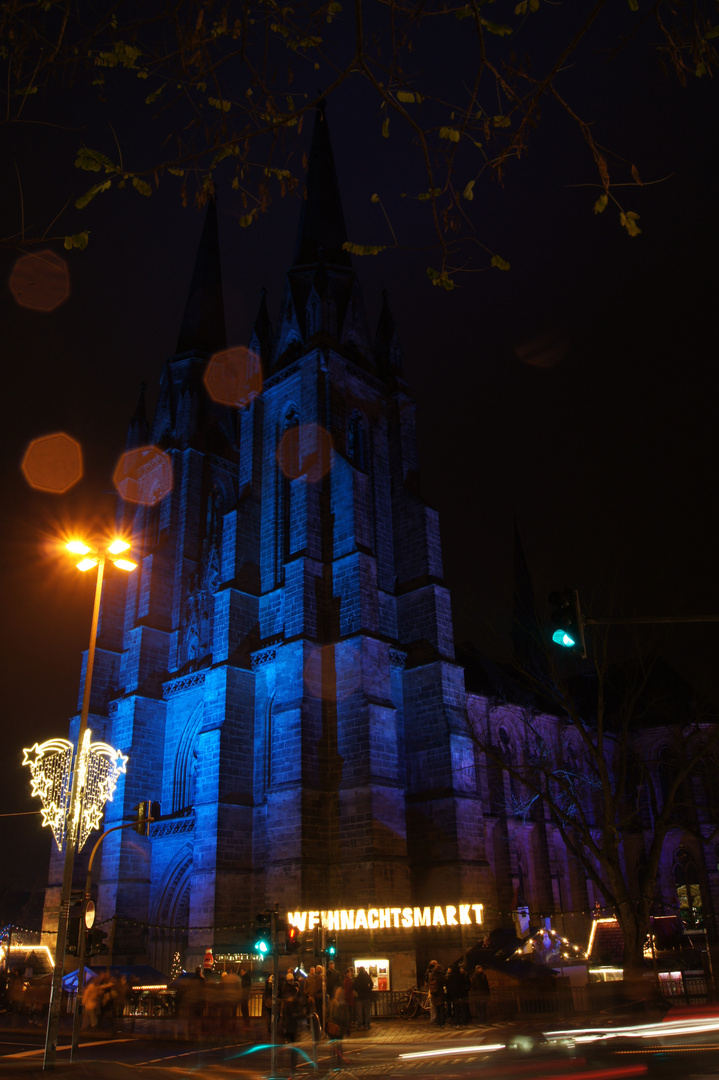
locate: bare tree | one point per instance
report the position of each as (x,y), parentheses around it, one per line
(591,769)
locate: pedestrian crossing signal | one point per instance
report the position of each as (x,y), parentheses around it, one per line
(292,939)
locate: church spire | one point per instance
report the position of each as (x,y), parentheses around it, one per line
(138,427)
(322,230)
(203,324)
(262,339)
(388,350)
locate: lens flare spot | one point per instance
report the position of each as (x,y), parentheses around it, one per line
(305,450)
(53,463)
(234,377)
(144,475)
(40,281)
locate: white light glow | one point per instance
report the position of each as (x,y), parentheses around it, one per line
(388,918)
(125,564)
(77,547)
(88,563)
(116,547)
(489,1048)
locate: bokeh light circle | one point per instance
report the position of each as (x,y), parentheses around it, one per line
(144,475)
(53,463)
(234,377)
(40,281)
(305,450)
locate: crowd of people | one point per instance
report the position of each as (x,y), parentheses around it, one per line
(347,999)
(455,996)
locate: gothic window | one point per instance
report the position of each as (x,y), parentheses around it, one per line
(667,768)
(289,470)
(357,441)
(686,883)
(502,784)
(183,787)
(269,737)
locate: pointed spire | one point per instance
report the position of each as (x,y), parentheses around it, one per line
(262,339)
(388,350)
(322,229)
(137,431)
(203,324)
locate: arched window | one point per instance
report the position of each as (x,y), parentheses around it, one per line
(357,441)
(183,787)
(289,466)
(686,883)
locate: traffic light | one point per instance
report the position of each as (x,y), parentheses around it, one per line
(292,939)
(566,618)
(96,940)
(331,945)
(263,938)
(143,813)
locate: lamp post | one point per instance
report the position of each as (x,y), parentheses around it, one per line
(90,558)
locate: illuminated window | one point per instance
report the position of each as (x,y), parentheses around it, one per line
(686,882)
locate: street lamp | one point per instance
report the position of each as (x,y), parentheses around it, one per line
(90,557)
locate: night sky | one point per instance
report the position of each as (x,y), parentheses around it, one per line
(577,392)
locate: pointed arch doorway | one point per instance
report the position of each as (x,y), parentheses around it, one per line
(171,913)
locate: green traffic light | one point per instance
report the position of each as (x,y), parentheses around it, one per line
(563,638)
(262,947)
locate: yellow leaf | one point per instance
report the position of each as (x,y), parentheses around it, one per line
(629,221)
(468,192)
(601,203)
(449,133)
(499,263)
(385,127)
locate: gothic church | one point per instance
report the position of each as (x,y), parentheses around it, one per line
(280,669)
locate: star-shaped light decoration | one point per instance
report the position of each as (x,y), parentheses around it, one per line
(99,766)
(50,766)
(102,766)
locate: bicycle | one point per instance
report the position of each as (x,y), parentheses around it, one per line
(417,1001)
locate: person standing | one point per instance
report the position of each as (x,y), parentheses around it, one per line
(437,984)
(338,1026)
(289,1014)
(267,1003)
(333,979)
(245,988)
(432,1010)
(479,995)
(363,987)
(349,995)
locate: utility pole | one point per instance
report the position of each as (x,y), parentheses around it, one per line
(275,992)
(84,929)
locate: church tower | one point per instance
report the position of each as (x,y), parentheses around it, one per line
(280,668)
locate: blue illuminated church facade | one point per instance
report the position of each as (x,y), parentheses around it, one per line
(280,669)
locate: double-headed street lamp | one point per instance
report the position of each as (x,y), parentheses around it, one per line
(73,826)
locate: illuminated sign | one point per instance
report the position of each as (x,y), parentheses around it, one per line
(388,918)
(99,767)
